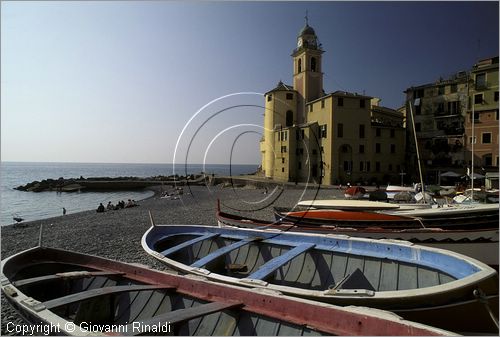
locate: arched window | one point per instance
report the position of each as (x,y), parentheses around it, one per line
(300,65)
(289,118)
(313,64)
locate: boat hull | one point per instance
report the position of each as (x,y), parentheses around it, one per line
(347,204)
(97,290)
(453,217)
(480,244)
(318,266)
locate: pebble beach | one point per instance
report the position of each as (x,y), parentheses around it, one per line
(117,234)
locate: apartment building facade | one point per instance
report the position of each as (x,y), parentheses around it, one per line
(442,121)
(481,124)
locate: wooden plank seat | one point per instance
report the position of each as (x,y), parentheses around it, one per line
(272,265)
(188,243)
(182,315)
(67,276)
(223,251)
(88,294)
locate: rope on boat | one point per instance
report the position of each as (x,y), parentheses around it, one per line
(151,219)
(481,297)
(419,220)
(40,236)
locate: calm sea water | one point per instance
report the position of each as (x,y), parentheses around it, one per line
(35,206)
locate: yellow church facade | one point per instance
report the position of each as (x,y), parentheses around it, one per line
(311,136)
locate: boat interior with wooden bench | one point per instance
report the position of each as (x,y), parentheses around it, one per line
(47,285)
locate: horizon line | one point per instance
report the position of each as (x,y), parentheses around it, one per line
(117,163)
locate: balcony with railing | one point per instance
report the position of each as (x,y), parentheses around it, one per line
(451,128)
(479,86)
(450,110)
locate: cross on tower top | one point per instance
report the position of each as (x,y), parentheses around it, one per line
(305,17)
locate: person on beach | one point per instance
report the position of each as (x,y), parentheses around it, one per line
(110,206)
(131,203)
(100,208)
(64,211)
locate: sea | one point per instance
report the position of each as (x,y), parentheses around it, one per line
(35,206)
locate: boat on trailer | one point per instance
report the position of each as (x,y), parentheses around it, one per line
(64,292)
(480,244)
(423,284)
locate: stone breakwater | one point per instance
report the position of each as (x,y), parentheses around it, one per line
(117,234)
(107,183)
(135,183)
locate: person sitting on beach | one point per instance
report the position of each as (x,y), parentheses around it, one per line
(131,203)
(100,208)
(110,206)
(121,204)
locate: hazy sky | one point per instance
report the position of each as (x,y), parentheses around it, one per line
(125,81)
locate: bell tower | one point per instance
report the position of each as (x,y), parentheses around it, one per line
(307,71)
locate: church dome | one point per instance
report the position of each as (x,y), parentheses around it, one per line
(307,30)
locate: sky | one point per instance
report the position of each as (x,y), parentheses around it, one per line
(167,81)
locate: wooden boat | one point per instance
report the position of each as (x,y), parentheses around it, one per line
(392,190)
(340,204)
(355,192)
(455,215)
(480,244)
(63,292)
(427,285)
(479,216)
(340,217)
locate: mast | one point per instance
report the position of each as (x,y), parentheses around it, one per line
(418,152)
(472,151)
(473,140)
(472,124)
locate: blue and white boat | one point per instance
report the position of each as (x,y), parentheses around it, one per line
(428,285)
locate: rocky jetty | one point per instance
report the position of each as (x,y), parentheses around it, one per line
(107,183)
(135,183)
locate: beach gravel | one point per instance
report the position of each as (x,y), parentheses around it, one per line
(117,234)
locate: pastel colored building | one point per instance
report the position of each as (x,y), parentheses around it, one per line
(483,106)
(443,112)
(330,138)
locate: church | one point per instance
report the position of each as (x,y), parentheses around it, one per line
(335,138)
